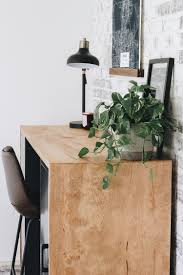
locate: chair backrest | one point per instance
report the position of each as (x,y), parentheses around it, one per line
(17,191)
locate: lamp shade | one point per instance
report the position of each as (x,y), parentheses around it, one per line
(83,59)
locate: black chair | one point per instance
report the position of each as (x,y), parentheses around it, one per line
(23,200)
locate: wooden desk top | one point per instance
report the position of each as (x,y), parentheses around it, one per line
(60,144)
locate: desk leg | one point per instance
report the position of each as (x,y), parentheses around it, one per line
(30,163)
(32,257)
(44,246)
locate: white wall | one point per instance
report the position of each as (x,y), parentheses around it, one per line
(163,37)
(36,87)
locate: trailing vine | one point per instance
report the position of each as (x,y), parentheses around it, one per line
(138,111)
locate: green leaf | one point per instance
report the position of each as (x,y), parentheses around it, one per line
(104,119)
(92,132)
(84,151)
(117,98)
(118,109)
(127,95)
(109,143)
(141,88)
(104,115)
(105,134)
(97,145)
(158,110)
(133,82)
(110,154)
(105,182)
(121,129)
(143,130)
(139,115)
(109,168)
(148,87)
(116,154)
(127,104)
(123,126)
(124,140)
(156,126)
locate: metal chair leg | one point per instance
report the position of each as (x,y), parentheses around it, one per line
(26,244)
(16,246)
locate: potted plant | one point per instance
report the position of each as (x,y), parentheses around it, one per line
(129,128)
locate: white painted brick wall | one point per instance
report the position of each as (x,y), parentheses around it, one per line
(163,37)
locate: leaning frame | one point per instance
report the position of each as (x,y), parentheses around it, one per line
(167,86)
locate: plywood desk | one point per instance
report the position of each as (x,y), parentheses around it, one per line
(124,230)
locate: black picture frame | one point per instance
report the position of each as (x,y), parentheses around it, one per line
(166,79)
(169,65)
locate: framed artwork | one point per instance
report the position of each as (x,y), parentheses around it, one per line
(160,77)
(126,36)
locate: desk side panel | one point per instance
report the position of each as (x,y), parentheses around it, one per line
(123,230)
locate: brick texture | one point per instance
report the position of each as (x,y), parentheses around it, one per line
(163,37)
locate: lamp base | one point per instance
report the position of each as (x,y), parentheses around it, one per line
(76,124)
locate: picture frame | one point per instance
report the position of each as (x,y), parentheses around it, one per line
(127,38)
(160,73)
(159,77)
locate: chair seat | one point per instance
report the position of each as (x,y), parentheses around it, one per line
(29,211)
(21,197)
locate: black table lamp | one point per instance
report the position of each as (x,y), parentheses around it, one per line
(82,60)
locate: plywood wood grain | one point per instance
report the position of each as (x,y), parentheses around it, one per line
(124,230)
(60,144)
